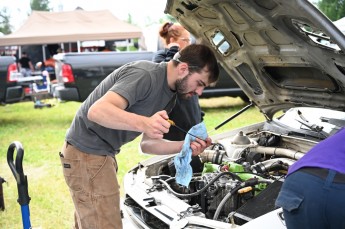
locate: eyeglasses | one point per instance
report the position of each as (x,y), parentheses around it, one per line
(185,40)
(176,58)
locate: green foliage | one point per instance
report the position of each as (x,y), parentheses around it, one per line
(170,18)
(40,5)
(5,26)
(333,9)
(129,19)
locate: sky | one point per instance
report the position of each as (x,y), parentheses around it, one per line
(143,12)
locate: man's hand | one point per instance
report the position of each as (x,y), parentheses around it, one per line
(198,146)
(157,125)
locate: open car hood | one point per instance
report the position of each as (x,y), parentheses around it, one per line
(281,53)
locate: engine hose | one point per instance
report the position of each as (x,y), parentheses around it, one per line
(272,164)
(247,183)
(294,154)
(226,198)
(234,176)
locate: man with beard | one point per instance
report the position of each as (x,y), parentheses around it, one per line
(187,112)
(134,99)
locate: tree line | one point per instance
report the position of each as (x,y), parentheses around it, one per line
(333,9)
(5,25)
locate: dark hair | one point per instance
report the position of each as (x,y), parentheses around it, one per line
(198,56)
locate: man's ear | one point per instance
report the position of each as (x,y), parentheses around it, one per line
(183,68)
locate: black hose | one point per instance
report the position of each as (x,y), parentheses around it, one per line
(226,198)
(234,176)
(250,182)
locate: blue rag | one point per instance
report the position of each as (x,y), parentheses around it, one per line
(182,160)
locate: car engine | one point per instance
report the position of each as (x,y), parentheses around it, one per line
(234,181)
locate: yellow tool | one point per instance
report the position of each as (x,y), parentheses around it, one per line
(181,129)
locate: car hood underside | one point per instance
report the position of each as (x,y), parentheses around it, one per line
(283,54)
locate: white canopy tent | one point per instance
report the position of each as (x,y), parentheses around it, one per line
(71,26)
(340,24)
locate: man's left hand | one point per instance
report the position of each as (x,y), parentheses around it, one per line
(198,146)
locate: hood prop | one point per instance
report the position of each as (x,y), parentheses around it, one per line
(232,117)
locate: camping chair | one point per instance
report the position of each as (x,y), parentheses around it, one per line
(41,91)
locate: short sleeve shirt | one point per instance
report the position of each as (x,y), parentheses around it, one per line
(143,84)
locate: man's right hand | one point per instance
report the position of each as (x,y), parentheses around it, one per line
(157,125)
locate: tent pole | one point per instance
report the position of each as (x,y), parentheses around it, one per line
(19,52)
(44,52)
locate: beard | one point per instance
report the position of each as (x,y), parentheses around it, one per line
(181,87)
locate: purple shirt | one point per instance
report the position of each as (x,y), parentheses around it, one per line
(328,154)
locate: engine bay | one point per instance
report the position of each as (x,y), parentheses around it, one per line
(234,181)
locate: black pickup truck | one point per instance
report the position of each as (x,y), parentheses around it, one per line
(10,91)
(78,74)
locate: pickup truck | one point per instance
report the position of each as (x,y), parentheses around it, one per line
(10,90)
(78,74)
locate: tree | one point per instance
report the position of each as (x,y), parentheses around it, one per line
(129,19)
(40,5)
(5,26)
(333,9)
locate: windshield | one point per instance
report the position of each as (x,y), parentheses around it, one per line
(314,119)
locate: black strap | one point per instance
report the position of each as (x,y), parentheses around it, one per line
(168,108)
(323,173)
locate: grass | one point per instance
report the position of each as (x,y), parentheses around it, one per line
(42,131)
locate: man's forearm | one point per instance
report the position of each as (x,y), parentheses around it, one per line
(160,146)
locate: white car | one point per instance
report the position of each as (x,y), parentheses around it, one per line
(274,50)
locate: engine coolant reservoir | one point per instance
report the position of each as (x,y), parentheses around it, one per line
(235,146)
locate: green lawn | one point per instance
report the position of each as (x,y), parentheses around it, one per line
(41,132)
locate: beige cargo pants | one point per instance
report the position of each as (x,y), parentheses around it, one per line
(94,188)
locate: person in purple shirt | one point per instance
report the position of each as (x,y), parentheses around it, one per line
(313,194)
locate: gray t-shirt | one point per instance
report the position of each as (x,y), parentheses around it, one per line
(143,84)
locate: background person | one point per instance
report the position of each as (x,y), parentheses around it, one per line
(312,195)
(25,65)
(135,99)
(50,67)
(186,113)
(45,84)
(175,37)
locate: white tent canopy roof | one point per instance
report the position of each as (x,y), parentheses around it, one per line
(340,24)
(57,27)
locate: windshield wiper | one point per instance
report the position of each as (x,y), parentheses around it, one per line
(334,121)
(338,123)
(313,127)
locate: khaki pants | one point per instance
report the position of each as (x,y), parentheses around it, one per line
(94,188)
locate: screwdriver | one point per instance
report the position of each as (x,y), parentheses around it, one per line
(181,129)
